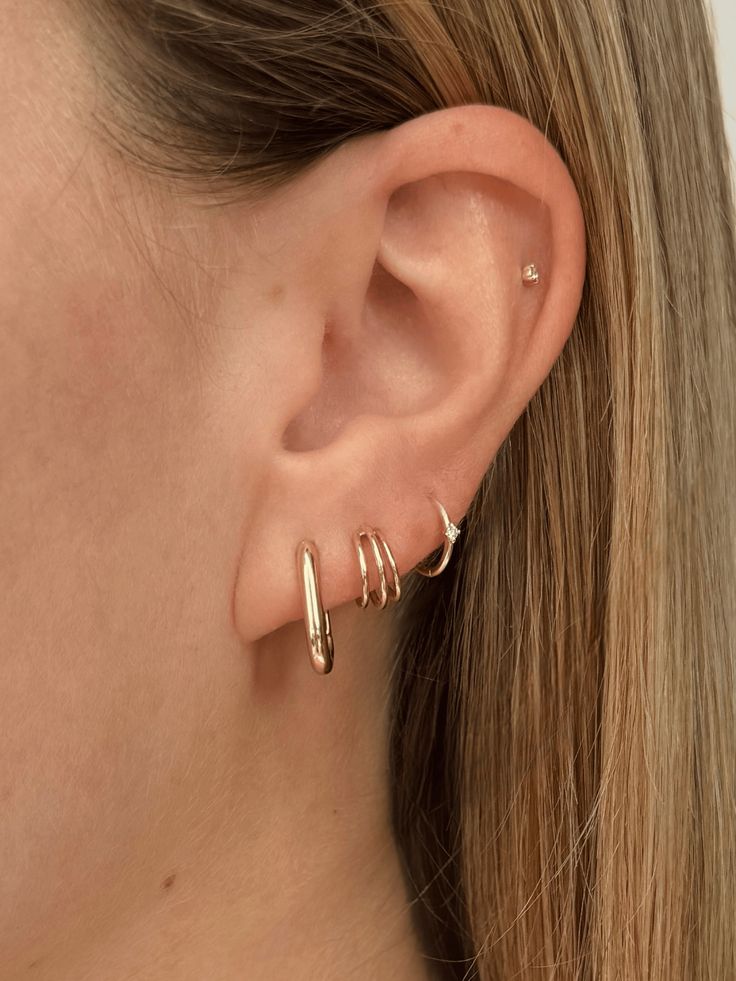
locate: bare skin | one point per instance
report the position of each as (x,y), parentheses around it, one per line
(182,797)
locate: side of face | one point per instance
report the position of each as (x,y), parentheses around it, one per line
(187,392)
(122,478)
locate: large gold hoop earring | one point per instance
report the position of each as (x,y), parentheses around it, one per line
(316,619)
(451,532)
(389,592)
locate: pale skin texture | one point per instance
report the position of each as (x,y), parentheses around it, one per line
(182,797)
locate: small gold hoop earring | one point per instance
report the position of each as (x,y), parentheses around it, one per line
(451,532)
(316,619)
(389,592)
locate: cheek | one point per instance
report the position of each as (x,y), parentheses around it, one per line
(116,510)
(121,484)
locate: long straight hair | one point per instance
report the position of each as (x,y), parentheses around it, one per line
(563,739)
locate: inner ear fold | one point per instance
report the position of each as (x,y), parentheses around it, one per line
(389,366)
(441,293)
(459,240)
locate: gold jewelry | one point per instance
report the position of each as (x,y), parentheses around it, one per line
(316,618)
(388,592)
(530,275)
(451,533)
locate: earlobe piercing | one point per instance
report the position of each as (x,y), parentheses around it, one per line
(530,275)
(316,619)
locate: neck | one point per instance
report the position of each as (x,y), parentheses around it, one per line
(280,860)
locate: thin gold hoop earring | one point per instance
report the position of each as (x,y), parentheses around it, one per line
(389,592)
(451,532)
(316,619)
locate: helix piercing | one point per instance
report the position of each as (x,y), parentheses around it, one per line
(451,532)
(388,591)
(316,619)
(530,275)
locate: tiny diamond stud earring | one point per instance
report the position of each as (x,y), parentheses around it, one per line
(530,275)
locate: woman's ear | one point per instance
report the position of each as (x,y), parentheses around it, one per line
(415,342)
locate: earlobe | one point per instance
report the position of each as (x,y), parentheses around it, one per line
(454,255)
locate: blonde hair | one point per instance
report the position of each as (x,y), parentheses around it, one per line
(563,740)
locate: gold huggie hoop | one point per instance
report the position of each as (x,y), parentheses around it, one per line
(451,533)
(316,618)
(388,592)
